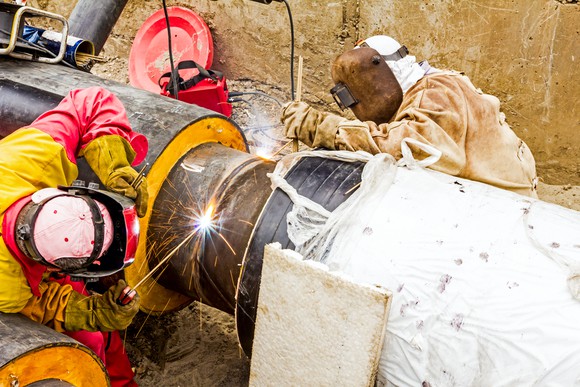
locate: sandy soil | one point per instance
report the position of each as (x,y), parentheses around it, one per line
(196,346)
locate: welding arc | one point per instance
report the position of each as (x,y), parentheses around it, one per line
(166,258)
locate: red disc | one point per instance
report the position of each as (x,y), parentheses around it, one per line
(149,57)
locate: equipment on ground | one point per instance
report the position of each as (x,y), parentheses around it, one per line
(12,41)
(192,80)
(148,59)
(208,88)
(21,40)
(79,53)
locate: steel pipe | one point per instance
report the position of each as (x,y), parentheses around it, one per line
(20,104)
(233,187)
(33,354)
(198,161)
(94,20)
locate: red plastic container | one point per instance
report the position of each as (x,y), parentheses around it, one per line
(207,93)
(149,58)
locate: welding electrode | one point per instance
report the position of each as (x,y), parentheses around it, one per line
(129,293)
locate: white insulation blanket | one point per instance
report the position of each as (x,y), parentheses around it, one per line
(484,281)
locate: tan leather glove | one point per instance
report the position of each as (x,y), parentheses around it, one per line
(313,128)
(49,308)
(100,312)
(110,158)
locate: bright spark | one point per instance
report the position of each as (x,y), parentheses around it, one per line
(206,221)
(264,153)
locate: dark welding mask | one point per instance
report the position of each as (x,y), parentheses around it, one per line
(365,84)
(81,231)
(342,96)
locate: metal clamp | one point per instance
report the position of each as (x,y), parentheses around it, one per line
(19,15)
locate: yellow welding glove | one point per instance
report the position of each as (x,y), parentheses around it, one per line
(49,308)
(110,158)
(313,128)
(100,312)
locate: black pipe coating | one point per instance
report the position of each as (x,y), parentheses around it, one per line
(21,104)
(324,181)
(94,20)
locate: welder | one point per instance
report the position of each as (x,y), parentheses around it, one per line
(393,97)
(58,234)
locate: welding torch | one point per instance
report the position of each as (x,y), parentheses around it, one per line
(129,292)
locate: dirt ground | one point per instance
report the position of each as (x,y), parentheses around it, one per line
(198,345)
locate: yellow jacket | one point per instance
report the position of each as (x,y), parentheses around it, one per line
(36,162)
(44,156)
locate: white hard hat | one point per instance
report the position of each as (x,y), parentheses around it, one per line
(386,46)
(404,66)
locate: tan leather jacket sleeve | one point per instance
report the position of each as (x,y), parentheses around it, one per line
(424,123)
(49,308)
(312,127)
(429,115)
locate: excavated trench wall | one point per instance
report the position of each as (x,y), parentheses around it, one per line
(524,52)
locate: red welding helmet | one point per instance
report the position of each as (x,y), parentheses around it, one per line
(81,231)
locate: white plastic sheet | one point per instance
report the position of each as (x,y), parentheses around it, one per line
(484,280)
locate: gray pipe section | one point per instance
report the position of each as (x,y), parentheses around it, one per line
(21,104)
(94,20)
(22,339)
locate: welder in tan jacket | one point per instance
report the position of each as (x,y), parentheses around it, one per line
(394,98)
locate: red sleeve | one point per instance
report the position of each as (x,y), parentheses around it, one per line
(85,114)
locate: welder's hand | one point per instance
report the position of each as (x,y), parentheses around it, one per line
(293,114)
(110,158)
(120,182)
(313,128)
(100,312)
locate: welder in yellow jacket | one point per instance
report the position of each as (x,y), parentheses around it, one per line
(52,236)
(396,98)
